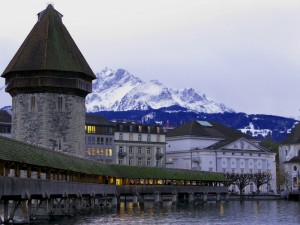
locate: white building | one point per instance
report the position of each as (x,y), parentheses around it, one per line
(205,146)
(289,158)
(139,145)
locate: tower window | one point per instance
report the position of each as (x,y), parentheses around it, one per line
(32,103)
(60,104)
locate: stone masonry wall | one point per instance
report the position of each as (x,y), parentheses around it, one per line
(51,120)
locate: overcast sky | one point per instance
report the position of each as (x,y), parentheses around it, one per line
(243,53)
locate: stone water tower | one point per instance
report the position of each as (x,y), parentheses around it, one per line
(48,79)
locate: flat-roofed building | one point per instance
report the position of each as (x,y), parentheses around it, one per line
(139,145)
(99,138)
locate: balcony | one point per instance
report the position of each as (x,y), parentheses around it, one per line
(159,155)
(122,154)
(196,159)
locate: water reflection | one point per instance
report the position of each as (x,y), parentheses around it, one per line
(233,213)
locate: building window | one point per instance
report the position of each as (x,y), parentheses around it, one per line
(60,104)
(130,162)
(148,162)
(130,150)
(232,153)
(148,150)
(121,149)
(98,140)
(295,168)
(140,150)
(110,152)
(149,129)
(149,138)
(157,150)
(130,137)
(140,137)
(158,138)
(102,141)
(32,103)
(140,128)
(120,161)
(121,136)
(130,128)
(90,129)
(139,161)
(158,130)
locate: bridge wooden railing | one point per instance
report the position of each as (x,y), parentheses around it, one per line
(165,189)
(25,188)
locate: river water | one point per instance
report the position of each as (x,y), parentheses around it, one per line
(227,213)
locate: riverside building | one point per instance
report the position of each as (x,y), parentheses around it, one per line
(289,158)
(139,145)
(209,146)
(99,138)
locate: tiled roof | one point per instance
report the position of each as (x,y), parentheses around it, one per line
(294,136)
(194,128)
(5,117)
(295,159)
(49,46)
(92,119)
(16,151)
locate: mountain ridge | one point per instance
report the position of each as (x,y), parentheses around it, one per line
(121,91)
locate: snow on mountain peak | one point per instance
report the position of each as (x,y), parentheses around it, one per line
(121,91)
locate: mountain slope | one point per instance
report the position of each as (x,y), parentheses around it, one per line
(121,91)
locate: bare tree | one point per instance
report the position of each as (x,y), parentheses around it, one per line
(260,179)
(240,179)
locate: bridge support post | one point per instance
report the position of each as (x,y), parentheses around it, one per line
(5,211)
(141,199)
(227,197)
(157,198)
(114,202)
(204,197)
(174,198)
(135,200)
(191,197)
(26,209)
(218,197)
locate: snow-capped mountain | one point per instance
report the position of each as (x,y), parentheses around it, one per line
(121,91)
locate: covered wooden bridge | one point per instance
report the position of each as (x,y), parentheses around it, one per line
(38,181)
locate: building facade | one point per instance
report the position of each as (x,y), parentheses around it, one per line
(5,123)
(204,146)
(99,139)
(289,158)
(139,145)
(48,79)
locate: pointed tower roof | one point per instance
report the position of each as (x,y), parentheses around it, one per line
(49,47)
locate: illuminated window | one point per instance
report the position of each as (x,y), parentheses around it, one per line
(93,151)
(102,151)
(90,129)
(110,152)
(106,152)
(140,128)
(98,151)
(89,151)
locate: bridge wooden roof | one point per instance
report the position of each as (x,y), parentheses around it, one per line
(19,152)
